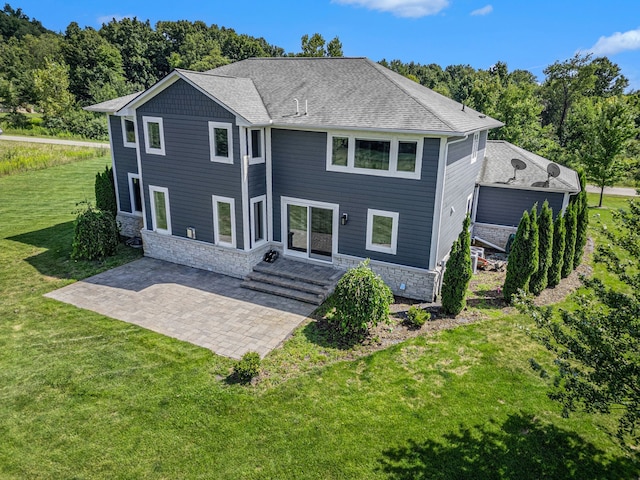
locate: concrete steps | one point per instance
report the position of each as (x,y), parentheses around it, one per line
(296,280)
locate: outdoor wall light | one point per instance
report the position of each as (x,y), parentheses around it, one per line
(344,219)
(191,233)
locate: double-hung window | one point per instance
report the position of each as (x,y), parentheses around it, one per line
(394,156)
(474,148)
(160,211)
(135,194)
(128,132)
(221,142)
(382,231)
(153,135)
(258,220)
(224,224)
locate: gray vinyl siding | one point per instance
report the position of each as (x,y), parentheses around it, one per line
(125,161)
(186,169)
(257,180)
(459,183)
(504,206)
(299,171)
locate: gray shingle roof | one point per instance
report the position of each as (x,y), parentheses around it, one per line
(351,93)
(113,105)
(498,170)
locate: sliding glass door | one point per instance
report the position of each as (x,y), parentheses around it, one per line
(310,229)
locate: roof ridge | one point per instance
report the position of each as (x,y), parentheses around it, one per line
(400,87)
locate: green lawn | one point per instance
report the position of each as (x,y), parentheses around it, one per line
(85,396)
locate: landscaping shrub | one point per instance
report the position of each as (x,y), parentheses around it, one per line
(362,301)
(416,317)
(582,220)
(106,192)
(538,281)
(519,267)
(458,273)
(247,367)
(95,234)
(570,222)
(557,258)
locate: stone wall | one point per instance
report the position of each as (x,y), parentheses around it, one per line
(197,254)
(130,225)
(419,284)
(496,234)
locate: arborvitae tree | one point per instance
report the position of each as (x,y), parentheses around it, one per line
(582,220)
(557,256)
(518,266)
(533,244)
(106,192)
(570,240)
(458,273)
(538,280)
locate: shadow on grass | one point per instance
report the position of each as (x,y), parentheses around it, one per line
(55,260)
(486,298)
(521,448)
(323,335)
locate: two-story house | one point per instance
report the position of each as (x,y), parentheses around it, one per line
(328,160)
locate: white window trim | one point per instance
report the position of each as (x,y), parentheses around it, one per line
(469,207)
(131,177)
(147,148)
(255,160)
(254,200)
(164,190)
(474,148)
(212,142)
(216,230)
(395,216)
(123,121)
(393,155)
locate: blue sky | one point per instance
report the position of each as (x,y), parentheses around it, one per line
(524,34)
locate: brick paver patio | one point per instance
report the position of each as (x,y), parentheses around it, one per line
(200,307)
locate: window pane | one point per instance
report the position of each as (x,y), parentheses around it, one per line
(256,144)
(258,222)
(137,198)
(161,210)
(381,231)
(154,134)
(340,151)
(224,222)
(407,152)
(372,154)
(130,131)
(222,142)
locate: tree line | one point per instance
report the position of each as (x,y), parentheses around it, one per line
(579,114)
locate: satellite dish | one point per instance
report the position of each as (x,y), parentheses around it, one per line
(553,170)
(518,164)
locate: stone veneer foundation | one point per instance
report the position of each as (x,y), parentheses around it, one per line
(130,225)
(496,234)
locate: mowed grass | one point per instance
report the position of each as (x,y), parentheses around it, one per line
(21,157)
(84,396)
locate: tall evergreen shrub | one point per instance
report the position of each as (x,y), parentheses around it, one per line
(538,281)
(457,273)
(95,234)
(557,255)
(570,222)
(582,220)
(106,192)
(518,265)
(533,243)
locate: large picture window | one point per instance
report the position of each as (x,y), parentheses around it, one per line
(224,224)
(382,231)
(160,211)
(396,156)
(221,142)
(153,135)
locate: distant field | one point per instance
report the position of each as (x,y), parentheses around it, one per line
(20,157)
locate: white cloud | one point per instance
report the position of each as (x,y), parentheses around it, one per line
(108,18)
(486,10)
(616,43)
(401,8)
